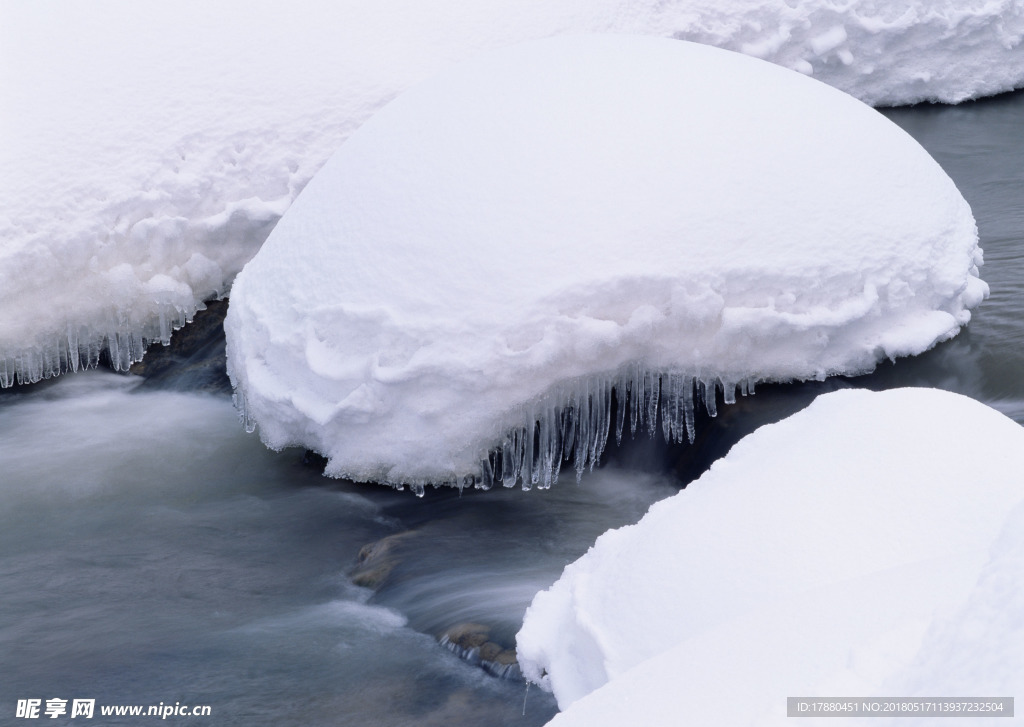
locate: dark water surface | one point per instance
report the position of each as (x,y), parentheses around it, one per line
(152,552)
(981,146)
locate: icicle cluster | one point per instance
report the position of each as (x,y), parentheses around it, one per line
(573,424)
(125,342)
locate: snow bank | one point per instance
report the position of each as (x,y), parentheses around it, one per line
(497,250)
(980,648)
(884,52)
(853,549)
(147,150)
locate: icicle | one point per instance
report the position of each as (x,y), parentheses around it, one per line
(529,472)
(635,399)
(688,414)
(594,423)
(137,349)
(541,474)
(519,456)
(506,462)
(679,382)
(729,392)
(582,416)
(94,353)
(558,445)
(244,413)
(710,397)
(486,479)
(50,367)
(113,347)
(165,333)
(574,423)
(543,444)
(685,408)
(667,401)
(620,403)
(605,425)
(653,391)
(569,427)
(551,447)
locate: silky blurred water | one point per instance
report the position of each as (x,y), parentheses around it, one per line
(150,551)
(981,146)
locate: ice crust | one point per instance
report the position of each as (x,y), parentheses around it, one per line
(500,249)
(147,150)
(867,546)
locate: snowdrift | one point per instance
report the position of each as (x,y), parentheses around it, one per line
(869,545)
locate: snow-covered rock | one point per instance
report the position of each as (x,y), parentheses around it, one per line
(884,52)
(853,549)
(500,247)
(147,149)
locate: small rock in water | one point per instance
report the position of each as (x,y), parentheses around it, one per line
(471,641)
(376,560)
(467,640)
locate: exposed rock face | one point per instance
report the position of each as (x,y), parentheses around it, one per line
(195,359)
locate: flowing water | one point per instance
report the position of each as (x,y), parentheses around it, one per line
(152,553)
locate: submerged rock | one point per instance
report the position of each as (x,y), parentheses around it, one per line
(470,641)
(376,560)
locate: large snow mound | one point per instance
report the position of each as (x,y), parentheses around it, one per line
(494,252)
(866,546)
(148,149)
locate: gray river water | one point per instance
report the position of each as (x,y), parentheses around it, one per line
(152,552)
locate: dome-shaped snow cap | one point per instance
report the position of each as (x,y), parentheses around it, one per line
(495,251)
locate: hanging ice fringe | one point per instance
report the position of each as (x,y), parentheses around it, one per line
(573,424)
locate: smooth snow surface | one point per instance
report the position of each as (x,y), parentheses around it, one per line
(148,149)
(867,546)
(497,249)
